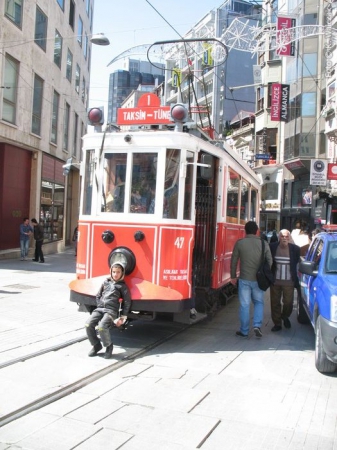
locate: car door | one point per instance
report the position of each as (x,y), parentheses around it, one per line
(308,281)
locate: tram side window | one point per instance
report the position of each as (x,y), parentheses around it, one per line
(188,186)
(244,202)
(253,197)
(114,182)
(232,196)
(88,181)
(143,184)
(171,189)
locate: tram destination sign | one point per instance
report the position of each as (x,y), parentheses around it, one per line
(144,115)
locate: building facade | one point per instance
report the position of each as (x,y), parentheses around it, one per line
(203,83)
(45,74)
(135,75)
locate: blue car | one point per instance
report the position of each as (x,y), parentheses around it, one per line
(318,302)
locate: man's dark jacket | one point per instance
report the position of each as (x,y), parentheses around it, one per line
(295,258)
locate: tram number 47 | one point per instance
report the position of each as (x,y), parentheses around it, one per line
(179,242)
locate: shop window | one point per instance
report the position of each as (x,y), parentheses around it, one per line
(52,210)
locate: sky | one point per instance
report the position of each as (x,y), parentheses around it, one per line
(130,23)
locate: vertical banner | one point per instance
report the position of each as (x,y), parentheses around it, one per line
(284,42)
(279,102)
(275,111)
(285,88)
(318,172)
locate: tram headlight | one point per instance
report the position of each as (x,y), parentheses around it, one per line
(123,256)
(108,236)
(127,138)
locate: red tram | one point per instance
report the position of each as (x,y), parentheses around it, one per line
(168,204)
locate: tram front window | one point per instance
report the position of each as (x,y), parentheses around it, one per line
(114,182)
(143,183)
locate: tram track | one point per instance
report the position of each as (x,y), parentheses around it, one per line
(80,383)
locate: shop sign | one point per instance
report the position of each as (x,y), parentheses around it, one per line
(332,171)
(285,43)
(318,172)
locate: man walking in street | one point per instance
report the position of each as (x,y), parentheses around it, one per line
(286,256)
(248,251)
(25,231)
(38,236)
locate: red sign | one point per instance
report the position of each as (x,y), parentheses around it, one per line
(332,171)
(283,37)
(148,112)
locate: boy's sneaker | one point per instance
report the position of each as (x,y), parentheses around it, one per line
(108,351)
(238,333)
(257,332)
(96,348)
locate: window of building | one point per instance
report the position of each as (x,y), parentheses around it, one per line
(260,98)
(69,69)
(75,143)
(37,105)
(80,31)
(83,90)
(91,17)
(52,198)
(13,11)
(308,104)
(61,3)
(72,14)
(85,46)
(77,78)
(87,7)
(309,64)
(55,117)
(41,23)
(301,194)
(66,127)
(58,49)
(269,192)
(11,76)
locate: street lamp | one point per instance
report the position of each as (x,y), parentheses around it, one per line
(99,39)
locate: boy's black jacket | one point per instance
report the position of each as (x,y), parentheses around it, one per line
(109,294)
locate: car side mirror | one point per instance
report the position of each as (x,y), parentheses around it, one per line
(308,268)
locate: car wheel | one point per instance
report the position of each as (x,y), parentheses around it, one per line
(322,363)
(302,316)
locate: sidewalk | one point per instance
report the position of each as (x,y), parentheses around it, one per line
(205,388)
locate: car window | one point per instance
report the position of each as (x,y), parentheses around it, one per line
(312,250)
(317,252)
(331,259)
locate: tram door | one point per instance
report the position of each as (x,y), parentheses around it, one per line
(205,226)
